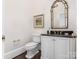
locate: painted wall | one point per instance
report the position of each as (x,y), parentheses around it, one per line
(17,23)
(44,6)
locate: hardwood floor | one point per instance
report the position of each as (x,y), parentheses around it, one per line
(22,56)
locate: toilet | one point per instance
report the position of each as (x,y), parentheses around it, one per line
(32,48)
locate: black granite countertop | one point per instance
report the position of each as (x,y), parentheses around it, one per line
(54,35)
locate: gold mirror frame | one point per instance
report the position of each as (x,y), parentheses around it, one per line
(65,14)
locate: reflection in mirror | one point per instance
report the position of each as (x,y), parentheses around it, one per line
(59,14)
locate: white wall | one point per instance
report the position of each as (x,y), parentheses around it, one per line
(17,23)
(44,6)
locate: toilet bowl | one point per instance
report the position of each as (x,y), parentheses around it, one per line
(32,47)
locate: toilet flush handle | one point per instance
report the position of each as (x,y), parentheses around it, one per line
(3,37)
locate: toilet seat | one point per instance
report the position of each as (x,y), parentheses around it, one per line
(31,44)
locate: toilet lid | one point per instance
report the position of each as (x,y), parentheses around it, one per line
(31,43)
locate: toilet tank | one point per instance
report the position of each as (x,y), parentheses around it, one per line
(37,38)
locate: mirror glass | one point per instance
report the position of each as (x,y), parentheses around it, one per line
(59,14)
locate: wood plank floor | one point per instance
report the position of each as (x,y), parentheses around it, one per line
(22,56)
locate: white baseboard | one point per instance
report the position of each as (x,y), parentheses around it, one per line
(14,53)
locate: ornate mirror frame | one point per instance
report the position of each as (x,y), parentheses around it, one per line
(65,14)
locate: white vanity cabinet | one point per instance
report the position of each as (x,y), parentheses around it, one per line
(56,47)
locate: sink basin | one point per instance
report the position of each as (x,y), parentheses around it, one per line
(60,32)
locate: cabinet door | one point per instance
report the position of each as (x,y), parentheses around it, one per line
(72,48)
(60,48)
(45,47)
(52,49)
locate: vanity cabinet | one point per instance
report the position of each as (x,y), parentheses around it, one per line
(57,47)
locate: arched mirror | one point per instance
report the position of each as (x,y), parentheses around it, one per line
(59,14)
